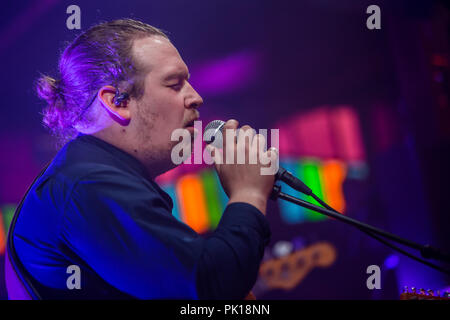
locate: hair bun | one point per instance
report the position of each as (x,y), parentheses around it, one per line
(48,89)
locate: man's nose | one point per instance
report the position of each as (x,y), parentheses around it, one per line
(194,100)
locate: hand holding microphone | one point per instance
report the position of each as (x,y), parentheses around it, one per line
(242,180)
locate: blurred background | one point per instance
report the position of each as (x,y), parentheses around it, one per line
(363,118)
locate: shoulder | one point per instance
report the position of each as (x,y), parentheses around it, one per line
(108,183)
(85,172)
(90,180)
(103,178)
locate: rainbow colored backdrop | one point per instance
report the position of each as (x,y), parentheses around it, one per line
(199,199)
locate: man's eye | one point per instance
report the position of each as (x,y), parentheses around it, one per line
(176,86)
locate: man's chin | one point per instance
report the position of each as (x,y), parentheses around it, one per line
(193,132)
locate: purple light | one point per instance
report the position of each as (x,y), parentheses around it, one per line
(298,243)
(445,289)
(227,74)
(391,261)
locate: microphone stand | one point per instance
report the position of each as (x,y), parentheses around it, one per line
(426,250)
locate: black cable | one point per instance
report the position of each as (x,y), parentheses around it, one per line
(339,216)
(387,243)
(409,255)
(297,184)
(362,226)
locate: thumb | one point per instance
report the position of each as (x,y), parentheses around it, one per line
(273,151)
(214,154)
(210,148)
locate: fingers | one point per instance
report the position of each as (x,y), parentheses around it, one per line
(215,154)
(273,160)
(229,140)
(246,133)
(231,124)
(260,141)
(245,154)
(242,145)
(230,127)
(259,144)
(272,152)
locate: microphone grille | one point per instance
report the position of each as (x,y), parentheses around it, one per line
(211,129)
(215,124)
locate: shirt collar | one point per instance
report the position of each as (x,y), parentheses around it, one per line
(125,157)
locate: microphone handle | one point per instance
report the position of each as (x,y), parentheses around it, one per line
(292,181)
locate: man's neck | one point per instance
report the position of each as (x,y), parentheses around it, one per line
(152,162)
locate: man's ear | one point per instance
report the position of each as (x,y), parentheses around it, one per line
(120,113)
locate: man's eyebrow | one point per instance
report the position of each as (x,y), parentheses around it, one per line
(177,75)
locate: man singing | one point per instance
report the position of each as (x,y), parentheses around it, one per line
(122,90)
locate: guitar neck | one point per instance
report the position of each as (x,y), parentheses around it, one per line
(421,294)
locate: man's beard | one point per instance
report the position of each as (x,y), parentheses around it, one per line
(156,156)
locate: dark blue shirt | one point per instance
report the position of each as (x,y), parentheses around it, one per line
(95,208)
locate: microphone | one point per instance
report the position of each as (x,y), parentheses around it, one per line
(211,136)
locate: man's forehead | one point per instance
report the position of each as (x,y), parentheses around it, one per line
(158,55)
